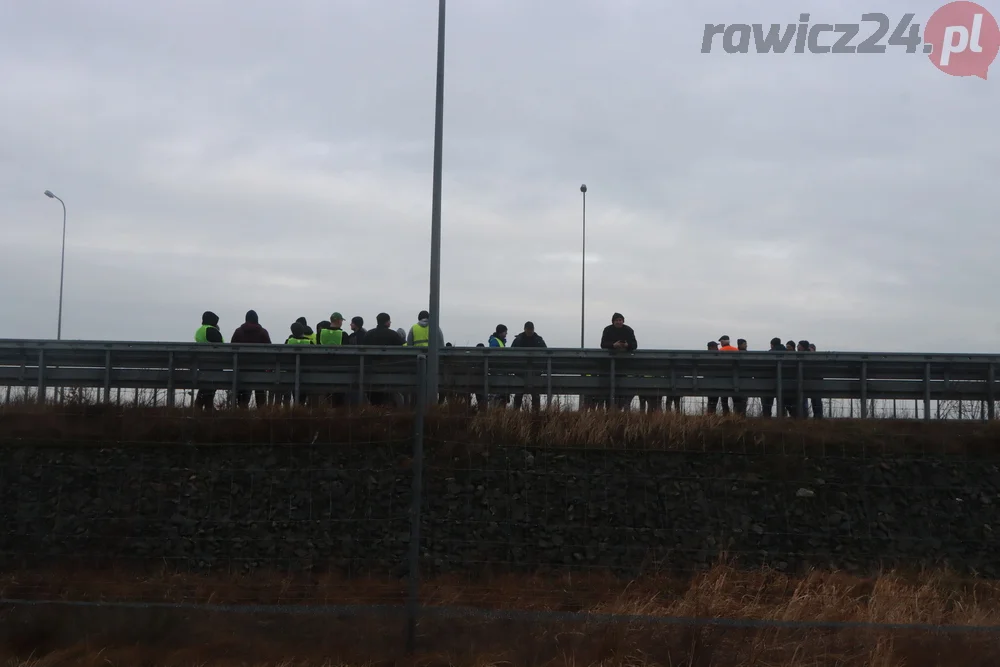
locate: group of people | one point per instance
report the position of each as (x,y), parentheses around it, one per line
(328,332)
(615,336)
(786,405)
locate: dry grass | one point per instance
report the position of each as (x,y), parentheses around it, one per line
(48,636)
(163,637)
(595,429)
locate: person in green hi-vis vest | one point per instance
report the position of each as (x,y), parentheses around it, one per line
(331,332)
(298,337)
(208,332)
(419,333)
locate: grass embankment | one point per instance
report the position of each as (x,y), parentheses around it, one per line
(47,636)
(106,424)
(132,637)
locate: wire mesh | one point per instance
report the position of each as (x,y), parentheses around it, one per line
(638,529)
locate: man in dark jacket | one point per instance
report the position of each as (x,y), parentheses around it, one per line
(619,336)
(250,332)
(383,335)
(815,401)
(528,338)
(208,332)
(358,331)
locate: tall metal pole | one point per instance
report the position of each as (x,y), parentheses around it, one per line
(583,276)
(62,263)
(433,344)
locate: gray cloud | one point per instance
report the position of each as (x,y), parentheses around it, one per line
(233,155)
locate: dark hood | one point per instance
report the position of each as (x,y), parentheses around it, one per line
(210,318)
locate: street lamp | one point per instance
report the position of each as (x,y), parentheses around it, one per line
(62,263)
(433,344)
(583,277)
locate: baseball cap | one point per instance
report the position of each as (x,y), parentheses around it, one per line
(336,316)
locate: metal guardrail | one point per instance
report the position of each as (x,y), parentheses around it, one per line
(601,374)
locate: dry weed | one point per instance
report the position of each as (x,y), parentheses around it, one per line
(83,423)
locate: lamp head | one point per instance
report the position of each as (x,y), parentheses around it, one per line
(583,189)
(48,193)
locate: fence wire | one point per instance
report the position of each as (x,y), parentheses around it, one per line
(343,514)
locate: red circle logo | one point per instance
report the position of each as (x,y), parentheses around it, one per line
(964,39)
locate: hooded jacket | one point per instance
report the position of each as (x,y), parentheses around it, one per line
(520,340)
(496,341)
(613,334)
(251,332)
(211,321)
(424,322)
(382,335)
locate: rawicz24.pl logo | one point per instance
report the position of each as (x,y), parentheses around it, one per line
(960,38)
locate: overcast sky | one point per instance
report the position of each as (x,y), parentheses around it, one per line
(278,156)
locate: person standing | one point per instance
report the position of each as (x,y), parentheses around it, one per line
(619,337)
(308,329)
(207,333)
(419,333)
(740,400)
(383,335)
(816,401)
(358,331)
(528,338)
(499,337)
(333,333)
(251,333)
(724,346)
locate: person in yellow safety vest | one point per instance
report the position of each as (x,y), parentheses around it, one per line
(307,329)
(298,336)
(332,334)
(208,332)
(499,337)
(419,334)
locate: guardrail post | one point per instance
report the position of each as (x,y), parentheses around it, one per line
(800,396)
(991,379)
(611,380)
(864,389)
(107,376)
(298,376)
(41,376)
(779,392)
(236,380)
(361,380)
(927,390)
(417,466)
(170,380)
(548,384)
(486,381)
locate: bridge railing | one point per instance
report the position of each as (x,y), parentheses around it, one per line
(173,367)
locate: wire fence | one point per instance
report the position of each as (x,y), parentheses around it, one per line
(829,408)
(424,536)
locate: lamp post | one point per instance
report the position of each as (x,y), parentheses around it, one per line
(433,344)
(62,263)
(583,276)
